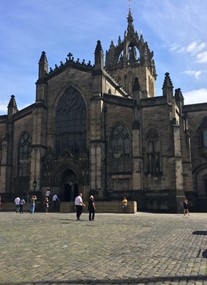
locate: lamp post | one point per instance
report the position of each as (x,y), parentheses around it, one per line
(34,184)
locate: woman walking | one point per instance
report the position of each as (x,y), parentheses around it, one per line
(91,208)
(186,207)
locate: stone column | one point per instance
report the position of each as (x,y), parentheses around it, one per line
(96,168)
(178,168)
(38,145)
(137,159)
(97,146)
(3,164)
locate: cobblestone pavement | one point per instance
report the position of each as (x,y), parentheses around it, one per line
(141,248)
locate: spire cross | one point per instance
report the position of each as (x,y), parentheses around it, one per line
(130,3)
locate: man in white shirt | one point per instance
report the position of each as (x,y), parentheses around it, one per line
(17,202)
(47,193)
(79,205)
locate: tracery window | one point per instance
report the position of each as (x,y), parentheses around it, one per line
(203,131)
(132,54)
(120,148)
(24,154)
(152,153)
(70,123)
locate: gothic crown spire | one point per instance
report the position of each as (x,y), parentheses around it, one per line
(130,27)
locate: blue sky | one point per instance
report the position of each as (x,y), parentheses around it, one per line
(175,31)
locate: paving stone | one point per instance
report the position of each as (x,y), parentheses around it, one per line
(141,248)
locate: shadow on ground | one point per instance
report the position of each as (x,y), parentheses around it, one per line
(199,233)
(143,280)
(204,253)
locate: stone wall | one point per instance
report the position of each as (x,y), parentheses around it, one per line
(68,207)
(102,207)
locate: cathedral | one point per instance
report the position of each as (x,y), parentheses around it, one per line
(100,129)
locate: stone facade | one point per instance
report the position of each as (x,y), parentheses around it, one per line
(101,129)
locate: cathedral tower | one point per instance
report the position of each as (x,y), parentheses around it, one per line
(132,59)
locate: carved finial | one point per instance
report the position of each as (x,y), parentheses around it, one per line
(70,55)
(43,65)
(167,86)
(99,56)
(12,107)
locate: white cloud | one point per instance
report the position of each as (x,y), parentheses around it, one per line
(195,48)
(195,96)
(178,49)
(196,74)
(182,50)
(202,57)
(175,47)
(191,47)
(3,107)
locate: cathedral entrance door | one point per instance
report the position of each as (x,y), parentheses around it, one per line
(70,192)
(70,188)
(67,192)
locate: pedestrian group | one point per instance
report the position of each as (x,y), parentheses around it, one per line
(19,203)
(79,204)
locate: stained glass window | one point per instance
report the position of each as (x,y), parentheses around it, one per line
(70,123)
(153,154)
(24,154)
(120,150)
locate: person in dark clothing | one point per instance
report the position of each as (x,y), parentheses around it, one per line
(91,208)
(21,206)
(186,207)
(47,205)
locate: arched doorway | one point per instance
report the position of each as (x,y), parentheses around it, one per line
(200,187)
(69,186)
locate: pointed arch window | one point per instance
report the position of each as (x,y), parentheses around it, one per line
(120,149)
(24,154)
(133,53)
(70,123)
(203,130)
(152,152)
